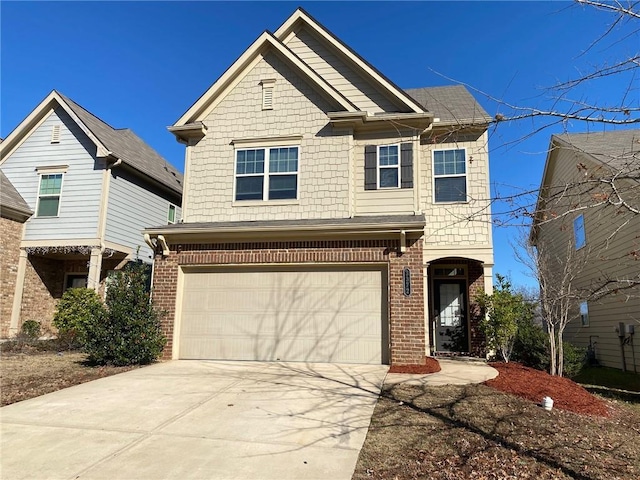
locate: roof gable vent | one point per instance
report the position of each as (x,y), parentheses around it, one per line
(55,133)
(267,94)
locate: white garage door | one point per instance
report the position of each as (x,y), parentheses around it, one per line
(285,314)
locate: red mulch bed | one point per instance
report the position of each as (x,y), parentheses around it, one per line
(431,366)
(534,385)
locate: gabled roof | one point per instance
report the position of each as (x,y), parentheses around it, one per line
(265,41)
(300,16)
(615,148)
(275,41)
(11,202)
(451,104)
(119,144)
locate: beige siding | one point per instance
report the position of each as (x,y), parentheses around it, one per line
(458,224)
(327,62)
(611,238)
(298,110)
(388,201)
(305,314)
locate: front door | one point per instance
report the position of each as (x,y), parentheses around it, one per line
(450,315)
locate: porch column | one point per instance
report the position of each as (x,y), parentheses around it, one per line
(17,294)
(488,278)
(95,267)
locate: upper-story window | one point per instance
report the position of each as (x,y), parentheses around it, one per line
(450,175)
(388,166)
(584,314)
(171,215)
(267,173)
(49,195)
(579,235)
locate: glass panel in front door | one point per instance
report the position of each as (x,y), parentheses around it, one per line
(450,305)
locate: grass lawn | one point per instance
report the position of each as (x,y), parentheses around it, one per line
(609,377)
(478,432)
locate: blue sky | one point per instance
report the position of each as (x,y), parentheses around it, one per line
(142,64)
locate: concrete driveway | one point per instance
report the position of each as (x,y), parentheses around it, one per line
(196,420)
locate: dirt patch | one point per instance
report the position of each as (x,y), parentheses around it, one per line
(475,431)
(431,366)
(534,385)
(25,376)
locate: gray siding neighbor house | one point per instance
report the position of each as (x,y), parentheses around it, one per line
(587,227)
(328,215)
(91,190)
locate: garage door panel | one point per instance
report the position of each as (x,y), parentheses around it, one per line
(332,315)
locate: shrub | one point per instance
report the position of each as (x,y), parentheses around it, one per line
(30,330)
(574,359)
(77,308)
(531,345)
(130,331)
(504,309)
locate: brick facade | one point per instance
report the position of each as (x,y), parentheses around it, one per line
(406,313)
(9,254)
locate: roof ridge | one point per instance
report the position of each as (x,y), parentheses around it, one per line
(67,99)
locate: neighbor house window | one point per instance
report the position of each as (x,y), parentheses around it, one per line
(578,232)
(584,314)
(76,281)
(267,173)
(171,216)
(389,166)
(450,175)
(49,195)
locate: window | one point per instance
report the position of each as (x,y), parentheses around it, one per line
(449,175)
(584,314)
(171,216)
(388,166)
(267,173)
(49,195)
(76,281)
(578,232)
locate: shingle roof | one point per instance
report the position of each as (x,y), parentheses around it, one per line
(133,151)
(11,199)
(617,148)
(451,104)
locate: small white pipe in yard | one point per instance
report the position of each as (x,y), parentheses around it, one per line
(547,403)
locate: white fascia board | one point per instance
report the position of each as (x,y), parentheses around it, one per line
(195,112)
(34,119)
(301,16)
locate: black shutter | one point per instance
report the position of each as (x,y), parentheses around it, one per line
(370,167)
(406,165)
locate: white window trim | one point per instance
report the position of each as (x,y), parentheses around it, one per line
(59,195)
(378,166)
(266,175)
(457,175)
(175,213)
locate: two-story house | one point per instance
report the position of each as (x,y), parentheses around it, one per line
(89,191)
(329,215)
(587,231)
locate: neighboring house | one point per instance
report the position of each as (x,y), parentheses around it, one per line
(588,223)
(90,190)
(14,211)
(329,215)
